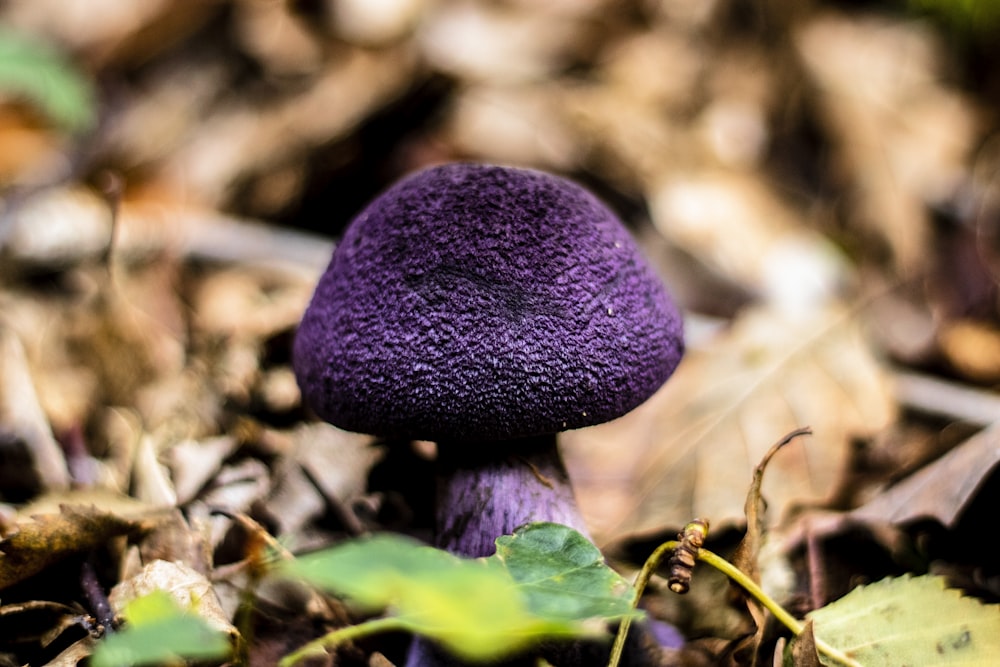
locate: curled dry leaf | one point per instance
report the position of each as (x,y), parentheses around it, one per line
(75,653)
(150,479)
(39,621)
(190,589)
(696,442)
(39,541)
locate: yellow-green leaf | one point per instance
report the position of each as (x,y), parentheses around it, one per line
(546,581)
(914,621)
(157,630)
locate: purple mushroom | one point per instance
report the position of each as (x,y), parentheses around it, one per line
(486,309)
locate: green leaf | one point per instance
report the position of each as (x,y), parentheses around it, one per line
(913,621)
(967,16)
(158,631)
(478,609)
(563,574)
(31,70)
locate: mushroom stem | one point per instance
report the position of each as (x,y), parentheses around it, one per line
(481,497)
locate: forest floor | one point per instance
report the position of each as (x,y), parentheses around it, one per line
(817,182)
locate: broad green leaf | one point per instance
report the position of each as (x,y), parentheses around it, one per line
(31,70)
(470,606)
(159,631)
(545,582)
(913,621)
(563,574)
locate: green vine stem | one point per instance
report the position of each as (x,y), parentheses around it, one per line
(321,646)
(737,576)
(648,568)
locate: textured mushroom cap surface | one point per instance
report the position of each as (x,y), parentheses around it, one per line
(479,302)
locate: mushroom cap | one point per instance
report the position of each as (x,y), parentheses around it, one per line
(476,302)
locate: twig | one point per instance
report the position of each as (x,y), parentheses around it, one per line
(96,596)
(219,238)
(946,399)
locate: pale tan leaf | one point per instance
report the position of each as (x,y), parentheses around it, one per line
(337,461)
(696,442)
(193,463)
(189,588)
(22,420)
(150,478)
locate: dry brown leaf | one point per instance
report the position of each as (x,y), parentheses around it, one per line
(902,136)
(804,649)
(514,124)
(193,463)
(130,333)
(294,501)
(240,140)
(699,438)
(634,69)
(282,44)
(479,41)
(735,223)
(327,470)
(337,461)
(238,486)
(57,228)
(940,490)
(250,302)
(75,653)
(632,143)
(42,540)
(746,557)
(39,621)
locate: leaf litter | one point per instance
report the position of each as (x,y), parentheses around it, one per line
(785,167)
